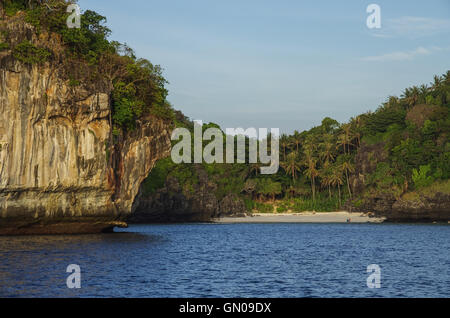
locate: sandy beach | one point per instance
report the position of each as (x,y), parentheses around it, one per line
(306,217)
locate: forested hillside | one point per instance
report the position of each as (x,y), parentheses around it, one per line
(399,151)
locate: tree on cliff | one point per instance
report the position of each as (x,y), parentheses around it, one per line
(138,86)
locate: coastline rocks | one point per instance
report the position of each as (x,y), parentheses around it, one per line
(427,208)
(434,208)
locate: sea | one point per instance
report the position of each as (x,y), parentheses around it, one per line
(232,260)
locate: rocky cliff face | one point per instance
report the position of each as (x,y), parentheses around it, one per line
(423,208)
(172,203)
(59,172)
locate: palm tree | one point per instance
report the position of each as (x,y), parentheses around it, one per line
(356,124)
(344,139)
(311,172)
(291,165)
(411,95)
(336,180)
(423,91)
(325,176)
(347,167)
(446,77)
(438,88)
(310,145)
(284,144)
(297,139)
(437,81)
(326,153)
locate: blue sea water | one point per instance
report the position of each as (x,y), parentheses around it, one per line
(232,260)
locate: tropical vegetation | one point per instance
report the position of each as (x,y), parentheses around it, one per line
(401,147)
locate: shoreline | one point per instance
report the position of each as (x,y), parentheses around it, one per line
(304,217)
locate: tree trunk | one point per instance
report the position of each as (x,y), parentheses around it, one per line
(339,188)
(313,186)
(348,184)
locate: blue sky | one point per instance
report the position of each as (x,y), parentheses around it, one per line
(283,64)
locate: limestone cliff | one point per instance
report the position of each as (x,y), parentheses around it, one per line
(60,172)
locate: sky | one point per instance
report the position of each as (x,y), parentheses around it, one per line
(283,64)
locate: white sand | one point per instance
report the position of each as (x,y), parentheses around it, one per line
(306,217)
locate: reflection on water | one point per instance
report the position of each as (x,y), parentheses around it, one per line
(241,260)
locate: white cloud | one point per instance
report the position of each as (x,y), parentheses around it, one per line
(412,27)
(402,55)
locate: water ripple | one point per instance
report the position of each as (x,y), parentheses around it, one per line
(239,260)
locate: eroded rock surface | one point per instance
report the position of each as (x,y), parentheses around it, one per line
(59,170)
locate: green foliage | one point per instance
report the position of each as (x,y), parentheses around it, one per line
(249,203)
(13,6)
(407,155)
(74,83)
(127,107)
(139,91)
(283,207)
(322,203)
(443,163)
(4,46)
(229,178)
(429,128)
(379,121)
(358,203)
(163,111)
(385,179)
(34,16)
(157,176)
(165,168)
(263,207)
(27,53)
(89,41)
(421,177)
(268,188)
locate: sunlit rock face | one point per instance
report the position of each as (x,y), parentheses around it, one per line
(59,169)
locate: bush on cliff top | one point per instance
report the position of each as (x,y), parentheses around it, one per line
(27,53)
(138,86)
